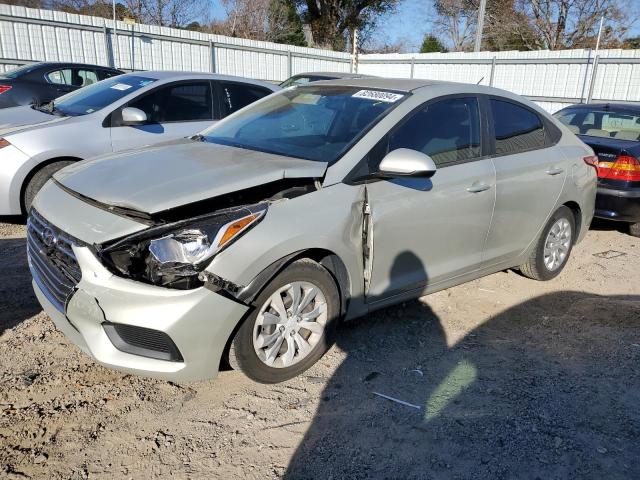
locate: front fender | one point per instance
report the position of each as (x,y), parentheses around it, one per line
(329,219)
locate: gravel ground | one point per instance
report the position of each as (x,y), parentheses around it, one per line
(504,377)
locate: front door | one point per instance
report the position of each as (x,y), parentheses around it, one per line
(426,231)
(173,111)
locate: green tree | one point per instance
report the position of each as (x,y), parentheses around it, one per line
(331,21)
(285,25)
(432,44)
(633,42)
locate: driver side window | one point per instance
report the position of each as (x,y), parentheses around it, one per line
(447,130)
(181,102)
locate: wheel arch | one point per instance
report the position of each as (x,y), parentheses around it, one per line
(577,216)
(36,168)
(328,259)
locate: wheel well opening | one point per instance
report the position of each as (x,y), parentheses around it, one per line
(577,216)
(326,258)
(35,170)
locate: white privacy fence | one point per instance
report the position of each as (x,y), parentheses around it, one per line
(552,78)
(28,35)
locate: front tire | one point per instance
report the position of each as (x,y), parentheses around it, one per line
(38,180)
(291,327)
(553,247)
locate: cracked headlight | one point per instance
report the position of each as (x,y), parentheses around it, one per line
(173,255)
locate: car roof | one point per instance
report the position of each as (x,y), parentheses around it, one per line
(71,64)
(410,85)
(175,75)
(333,75)
(604,105)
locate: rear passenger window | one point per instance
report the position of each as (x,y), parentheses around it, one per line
(60,77)
(73,77)
(86,77)
(236,96)
(447,130)
(517,129)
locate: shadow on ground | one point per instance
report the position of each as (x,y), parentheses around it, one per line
(547,389)
(17,300)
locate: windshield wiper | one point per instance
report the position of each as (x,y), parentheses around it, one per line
(48,107)
(198,138)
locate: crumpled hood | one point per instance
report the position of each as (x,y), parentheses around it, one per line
(21,118)
(156,179)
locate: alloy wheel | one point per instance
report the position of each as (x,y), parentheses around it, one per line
(557,244)
(290,324)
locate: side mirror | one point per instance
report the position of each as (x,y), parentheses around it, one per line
(133,116)
(404,162)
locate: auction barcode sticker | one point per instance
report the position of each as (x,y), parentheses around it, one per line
(378,95)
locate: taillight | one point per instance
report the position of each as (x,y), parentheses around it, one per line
(593,161)
(5,88)
(626,168)
(4,143)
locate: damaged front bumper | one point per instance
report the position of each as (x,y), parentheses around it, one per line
(176,335)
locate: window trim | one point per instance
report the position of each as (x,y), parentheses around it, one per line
(219,94)
(112,119)
(356,171)
(549,129)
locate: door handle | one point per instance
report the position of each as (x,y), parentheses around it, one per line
(478,187)
(554,171)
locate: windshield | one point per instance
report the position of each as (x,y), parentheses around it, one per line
(97,96)
(314,123)
(18,72)
(602,122)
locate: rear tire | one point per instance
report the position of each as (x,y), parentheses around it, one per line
(634,229)
(272,344)
(38,180)
(553,247)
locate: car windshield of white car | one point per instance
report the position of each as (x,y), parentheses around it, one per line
(97,96)
(317,123)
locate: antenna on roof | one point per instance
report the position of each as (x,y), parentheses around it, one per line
(478,83)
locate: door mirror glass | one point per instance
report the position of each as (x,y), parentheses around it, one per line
(133,116)
(404,162)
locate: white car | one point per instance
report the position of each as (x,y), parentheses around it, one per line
(119,113)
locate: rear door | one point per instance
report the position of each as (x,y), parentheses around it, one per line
(530,175)
(176,110)
(233,96)
(426,231)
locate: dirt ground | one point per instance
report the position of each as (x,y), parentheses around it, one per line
(504,377)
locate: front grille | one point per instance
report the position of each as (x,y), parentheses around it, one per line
(142,341)
(51,259)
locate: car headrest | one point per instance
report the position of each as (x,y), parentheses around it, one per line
(596,132)
(627,135)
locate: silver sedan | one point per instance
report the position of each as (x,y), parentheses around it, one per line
(319,203)
(120,113)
